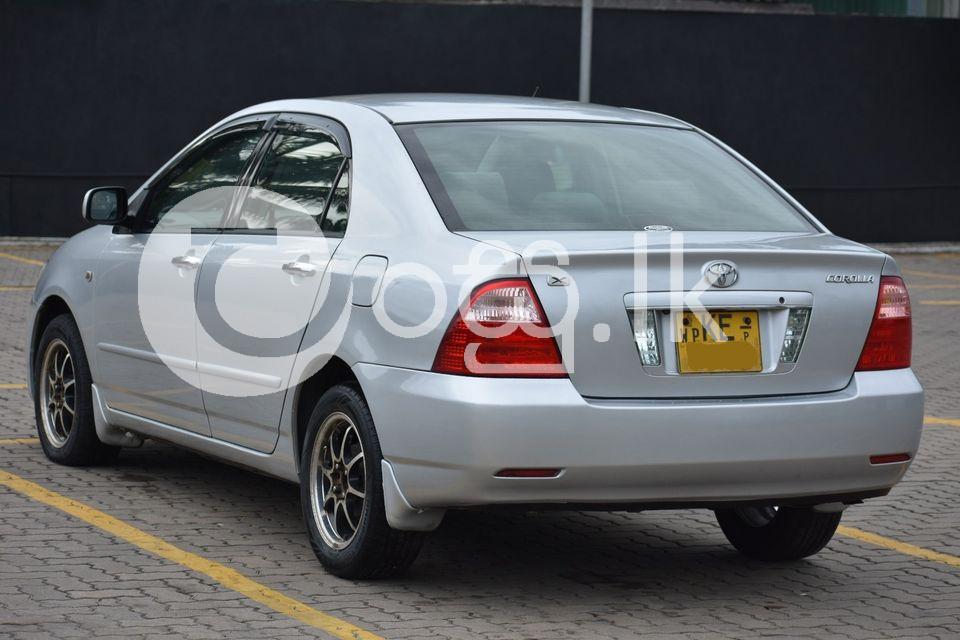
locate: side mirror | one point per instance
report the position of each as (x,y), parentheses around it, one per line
(105,205)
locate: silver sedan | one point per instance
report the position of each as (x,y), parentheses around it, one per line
(412,303)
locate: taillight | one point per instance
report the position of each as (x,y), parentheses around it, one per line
(889,342)
(501,332)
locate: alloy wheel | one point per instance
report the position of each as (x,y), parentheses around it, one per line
(58,392)
(338,480)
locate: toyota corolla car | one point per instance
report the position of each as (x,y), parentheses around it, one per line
(413,303)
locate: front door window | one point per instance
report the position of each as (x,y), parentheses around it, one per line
(186,197)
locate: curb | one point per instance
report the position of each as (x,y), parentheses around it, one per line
(31,241)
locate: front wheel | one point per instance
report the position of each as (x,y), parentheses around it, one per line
(341,492)
(777,533)
(64,404)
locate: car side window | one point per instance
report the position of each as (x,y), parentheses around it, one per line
(294,181)
(335,222)
(186,197)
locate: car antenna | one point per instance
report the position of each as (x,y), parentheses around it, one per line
(536,90)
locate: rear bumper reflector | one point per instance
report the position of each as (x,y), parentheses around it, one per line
(890,458)
(527,473)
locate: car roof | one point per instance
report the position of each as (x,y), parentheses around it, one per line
(405,108)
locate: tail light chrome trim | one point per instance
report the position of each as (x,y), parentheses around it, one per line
(797,321)
(646,335)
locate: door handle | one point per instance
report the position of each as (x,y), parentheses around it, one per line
(186,262)
(301,269)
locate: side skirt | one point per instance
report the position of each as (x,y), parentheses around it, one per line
(279,464)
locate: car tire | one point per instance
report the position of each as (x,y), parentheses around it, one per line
(63,402)
(349,532)
(786,533)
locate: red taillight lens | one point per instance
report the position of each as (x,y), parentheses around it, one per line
(890,339)
(502,332)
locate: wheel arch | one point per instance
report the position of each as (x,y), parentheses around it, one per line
(52,306)
(335,371)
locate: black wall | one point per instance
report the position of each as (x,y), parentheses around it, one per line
(858,117)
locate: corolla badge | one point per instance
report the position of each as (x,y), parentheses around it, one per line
(850,278)
(721,274)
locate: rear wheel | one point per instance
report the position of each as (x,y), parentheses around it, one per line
(771,533)
(341,492)
(63,404)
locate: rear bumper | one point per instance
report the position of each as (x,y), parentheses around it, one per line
(446,436)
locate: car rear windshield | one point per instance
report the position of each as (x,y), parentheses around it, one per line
(551,176)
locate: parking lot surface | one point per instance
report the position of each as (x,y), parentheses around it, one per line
(168,544)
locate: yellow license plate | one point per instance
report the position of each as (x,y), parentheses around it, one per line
(732,346)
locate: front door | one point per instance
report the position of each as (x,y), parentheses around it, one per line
(145,329)
(262,278)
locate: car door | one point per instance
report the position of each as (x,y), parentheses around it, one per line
(145,329)
(259,282)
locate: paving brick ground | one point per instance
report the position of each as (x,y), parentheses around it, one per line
(554,575)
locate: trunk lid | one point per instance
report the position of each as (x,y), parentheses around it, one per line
(776,272)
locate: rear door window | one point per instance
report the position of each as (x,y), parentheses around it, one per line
(294,182)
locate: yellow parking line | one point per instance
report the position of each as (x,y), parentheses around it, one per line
(931,274)
(15,287)
(942,303)
(226,576)
(12,385)
(10,256)
(900,547)
(8,441)
(947,421)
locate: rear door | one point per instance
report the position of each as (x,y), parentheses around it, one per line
(260,280)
